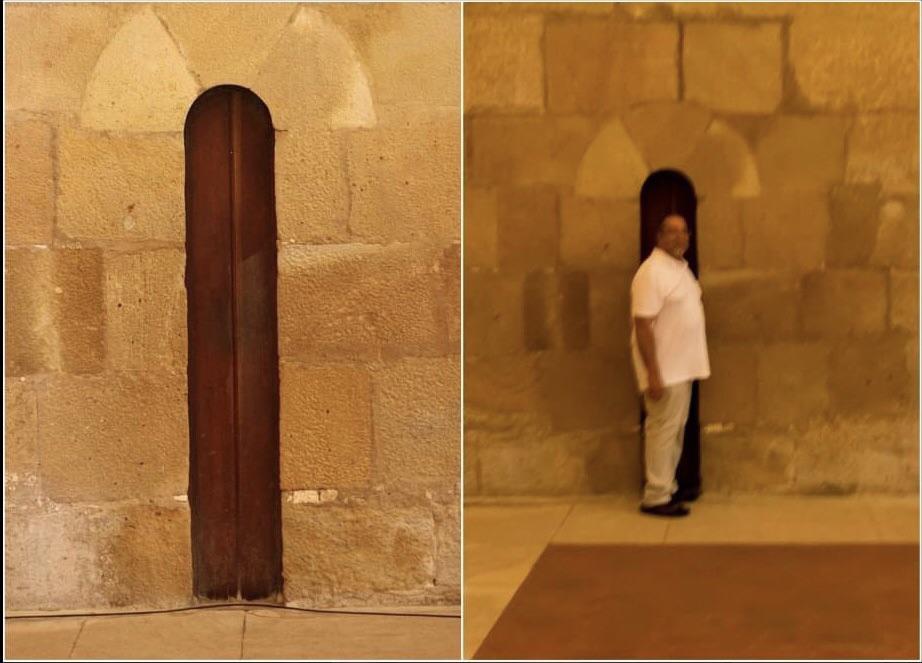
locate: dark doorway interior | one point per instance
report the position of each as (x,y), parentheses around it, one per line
(664,192)
(234,492)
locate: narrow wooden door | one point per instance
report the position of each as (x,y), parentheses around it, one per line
(234,492)
(663,192)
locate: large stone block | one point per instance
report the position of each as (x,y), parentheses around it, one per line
(610,314)
(733,67)
(722,164)
(598,233)
(612,166)
(729,395)
(55,311)
(480,227)
(720,232)
(406,182)
(113,437)
(745,305)
(597,65)
(471,464)
(448,540)
(360,301)
(29,183)
(20,458)
(503,385)
(884,148)
(312,193)
(323,563)
(897,241)
(417,422)
(802,153)
(120,187)
(793,383)
(844,303)
(860,55)
(503,63)
(743,462)
(786,231)
(556,310)
(526,150)
(870,377)
(853,225)
(666,132)
(904,300)
(325,427)
(449,298)
(146,310)
(528,229)
(493,315)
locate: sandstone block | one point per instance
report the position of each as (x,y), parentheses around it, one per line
(322,561)
(481,227)
(449,297)
(904,300)
(20,459)
(599,234)
(505,385)
(897,241)
(870,377)
(471,465)
(503,63)
(528,229)
(720,229)
(793,383)
(118,436)
(786,231)
(598,66)
(121,187)
(722,164)
(802,153)
(743,461)
(844,302)
(729,395)
(612,167)
(405,182)
(360,301)
(610,314)
(145,303)
(417,418)
(666,132)
(325,427)
(748,305)
(853,225)
(733,67)
(29,183)
(493,315)
(312,194)
(448,540)
(884,148)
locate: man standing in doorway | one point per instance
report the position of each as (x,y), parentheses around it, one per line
(669,351)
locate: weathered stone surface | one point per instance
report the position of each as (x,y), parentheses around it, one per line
(858,454)
(733,67)
(610,314)
(533,150)
(884,148)
(722,164)
(493,315)
(733,9)
(118,436)
(225,43)
(448,300)
(612,167)
(528,228)
(556,311)
(397,552)
(20,459)
(405,182)
(802,153)
(729,395)
(596,66)
(55,309)
(503,63)
(417,417)
(786,231)
(666,132)
(49,68)
(448,540)
(471,463)
(312,191)
(792,383)
(848,56)
(120,187)
(480,227)
(504,385)
(897,242)
(360,301)
(870,377)
(904,300)
(741,461)
(146,310)
(720,232)
(844,302)
(853,225)
(29,183)
(748,305)
(325,427)
(140,82)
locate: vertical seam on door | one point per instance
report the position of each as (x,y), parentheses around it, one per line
(235,224)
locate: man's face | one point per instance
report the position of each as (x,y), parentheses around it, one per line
(673,236)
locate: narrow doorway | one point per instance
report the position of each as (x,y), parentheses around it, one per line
(234,492)
(669,191)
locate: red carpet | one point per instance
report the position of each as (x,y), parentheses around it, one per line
(713,601)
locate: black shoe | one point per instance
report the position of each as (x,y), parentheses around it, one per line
(670,509)
(686,495)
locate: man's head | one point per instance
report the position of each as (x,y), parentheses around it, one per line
(672,236)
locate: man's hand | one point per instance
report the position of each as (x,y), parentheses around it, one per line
(655,390)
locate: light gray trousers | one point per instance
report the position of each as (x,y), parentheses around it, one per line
(664,431)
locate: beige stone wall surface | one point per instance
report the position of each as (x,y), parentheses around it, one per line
(797,124)
(365,101)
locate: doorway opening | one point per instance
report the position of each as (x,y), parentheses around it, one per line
(233,376)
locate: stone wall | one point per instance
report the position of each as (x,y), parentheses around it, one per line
(365,102)
(798,126)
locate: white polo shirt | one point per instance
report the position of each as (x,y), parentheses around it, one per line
(665,288)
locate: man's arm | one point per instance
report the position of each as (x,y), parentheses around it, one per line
(646,344)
